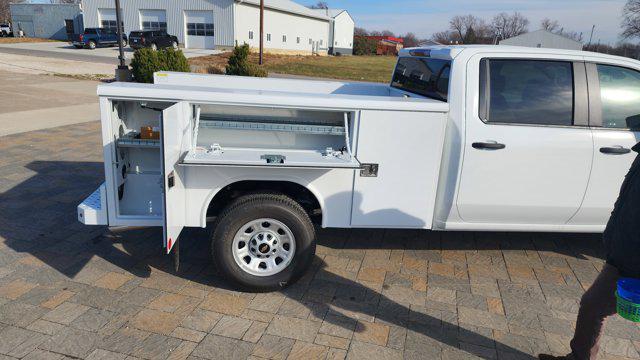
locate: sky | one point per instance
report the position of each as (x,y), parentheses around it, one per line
(426,17)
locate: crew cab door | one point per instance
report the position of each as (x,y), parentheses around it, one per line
(614,103)
(527,149)
(176,140)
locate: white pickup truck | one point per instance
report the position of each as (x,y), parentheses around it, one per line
(463,138)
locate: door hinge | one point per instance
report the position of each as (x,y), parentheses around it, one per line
(369,170)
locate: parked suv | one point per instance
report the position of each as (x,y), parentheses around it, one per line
(5,30)
(154,39)
(94,37)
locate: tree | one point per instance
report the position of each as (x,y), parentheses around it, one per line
(363,45)
(550,25)
(411,40)
(388,33)
(470,29)
(555,27)
(320,5)
(5,12)
(631,19)
(445,37)
(358,31)
(506,26)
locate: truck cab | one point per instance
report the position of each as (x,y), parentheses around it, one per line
(92,38)
(489,138)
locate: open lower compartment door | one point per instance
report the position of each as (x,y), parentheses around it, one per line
(176,140)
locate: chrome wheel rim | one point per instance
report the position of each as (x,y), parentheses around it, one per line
(263,247)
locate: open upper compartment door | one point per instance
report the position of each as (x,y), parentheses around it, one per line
(176,141)
(250,136)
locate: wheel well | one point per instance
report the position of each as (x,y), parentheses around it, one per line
(297,192)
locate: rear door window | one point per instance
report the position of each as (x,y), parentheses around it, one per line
(423,76)
(620,96)
(536,92)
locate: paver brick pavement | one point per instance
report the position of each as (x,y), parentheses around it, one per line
(71,291)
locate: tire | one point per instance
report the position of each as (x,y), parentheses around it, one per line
(154,46)
(124,43)
(269,217)
(174,45)
(92,45)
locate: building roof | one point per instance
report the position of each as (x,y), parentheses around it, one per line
(540,37)
(288,6)
(332,13)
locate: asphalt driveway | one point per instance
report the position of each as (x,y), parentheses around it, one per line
(63,50)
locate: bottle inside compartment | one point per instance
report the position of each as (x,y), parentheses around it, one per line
(138,155)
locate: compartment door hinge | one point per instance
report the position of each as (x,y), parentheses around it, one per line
(369,170)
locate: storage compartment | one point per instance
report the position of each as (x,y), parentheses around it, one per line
(274,137)
(138,158)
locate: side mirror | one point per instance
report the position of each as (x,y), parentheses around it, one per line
(633,122)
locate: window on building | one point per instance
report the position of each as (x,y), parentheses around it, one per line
(422,76)
(250,35)
(298,40)
(619,93)
(109,24)
(321,42)
(154,25)
(268,37)
(310,41)
(336,43)
(284,38)
(537,92)
(200,29)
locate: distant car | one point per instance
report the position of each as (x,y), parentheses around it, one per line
(154,39)
(95,37)
(5,30)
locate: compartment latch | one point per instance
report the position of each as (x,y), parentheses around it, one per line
(274,159)
(369,170)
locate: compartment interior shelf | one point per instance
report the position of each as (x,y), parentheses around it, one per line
(137,143)
(259,157)
(268,126)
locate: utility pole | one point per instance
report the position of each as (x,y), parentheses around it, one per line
(261,61)
(122,72)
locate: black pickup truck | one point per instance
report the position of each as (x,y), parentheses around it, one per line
(154,39)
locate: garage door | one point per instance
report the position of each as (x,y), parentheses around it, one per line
(153,20)
(200,29)
(108,19)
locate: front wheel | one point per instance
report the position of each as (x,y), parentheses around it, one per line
(263,242)
(124,43)
(92,45)
(174,45)
(154,47)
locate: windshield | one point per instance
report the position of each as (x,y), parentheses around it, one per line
(423,76)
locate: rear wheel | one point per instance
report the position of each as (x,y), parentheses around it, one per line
(124,43)
(263,242)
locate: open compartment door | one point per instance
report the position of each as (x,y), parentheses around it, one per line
(176,141)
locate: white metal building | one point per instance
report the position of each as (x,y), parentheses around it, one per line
(341,31)
(543,39)
(220,24)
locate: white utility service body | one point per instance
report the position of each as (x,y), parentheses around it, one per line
(376,155)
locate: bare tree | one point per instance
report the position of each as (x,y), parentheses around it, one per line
(320,5)
(470,29)
(5,12)
(388,33)
(358,31)
(411,40)
(506,26)
(550,25)
(445,37)
(631,19)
